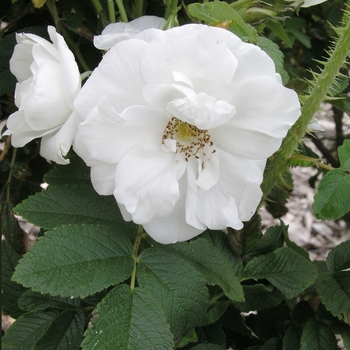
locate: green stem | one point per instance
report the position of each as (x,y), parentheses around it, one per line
(61,29)
(215,298)
(137,242)
(76,49)
(138,9)
(111,11)
(98,6)
(311,160)
(170,6)
(8,182)
(122,11)
(53,11)
(320,87)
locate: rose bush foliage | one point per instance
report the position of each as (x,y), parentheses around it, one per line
(185,125)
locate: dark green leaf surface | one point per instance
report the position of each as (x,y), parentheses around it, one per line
(317,336)
(75,173)
(334,291)
(177,286)
(333,197)
(127,320)
(34,301)
(213,265)
(8,81)
(285,269)
(259,297)
(27,329)
(76,261)
(64,332)
(344,155)
(291,339)
(11,291)
(10,228)
(69,205)
(339,258)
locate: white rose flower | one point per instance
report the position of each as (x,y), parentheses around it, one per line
(179,129)
(116,32)
(48,82)
(305,3)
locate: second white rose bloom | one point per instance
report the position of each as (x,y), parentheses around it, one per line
(48,82)
(179,126)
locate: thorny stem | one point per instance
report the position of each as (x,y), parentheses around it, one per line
(111,10)
(122,11)
(137,242)
(322,81)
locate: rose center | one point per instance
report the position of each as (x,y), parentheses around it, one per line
(190,140)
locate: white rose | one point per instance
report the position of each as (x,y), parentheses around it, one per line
(48,82)
(179,128)
(116,32)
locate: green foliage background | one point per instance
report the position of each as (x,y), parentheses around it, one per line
(93,281)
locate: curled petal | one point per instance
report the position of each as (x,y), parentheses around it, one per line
(56,146)
(147,183)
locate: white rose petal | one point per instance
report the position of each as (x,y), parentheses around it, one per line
(116,32)
(48,82)
(185,121)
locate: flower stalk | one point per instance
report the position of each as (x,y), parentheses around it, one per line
(122,11)
(111,11)
(138,10)
(322,81)
(98,6)
(137,242)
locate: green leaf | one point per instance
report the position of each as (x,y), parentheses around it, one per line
(34,301)
(27,329)
(276,28)
(213,265)
(270,241)
(76,261)
(339,258)
(7,79)
(259,297)
(242,241)
(334,291)
(177,286)
(10,228)
(276,55)
(291,339)
(344,155)
(74,173)
(333,197)
(215,311)
(64,332)
(318,336)
(128,319)
(71,205)
(285,269)
(11,291)
(219,12)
